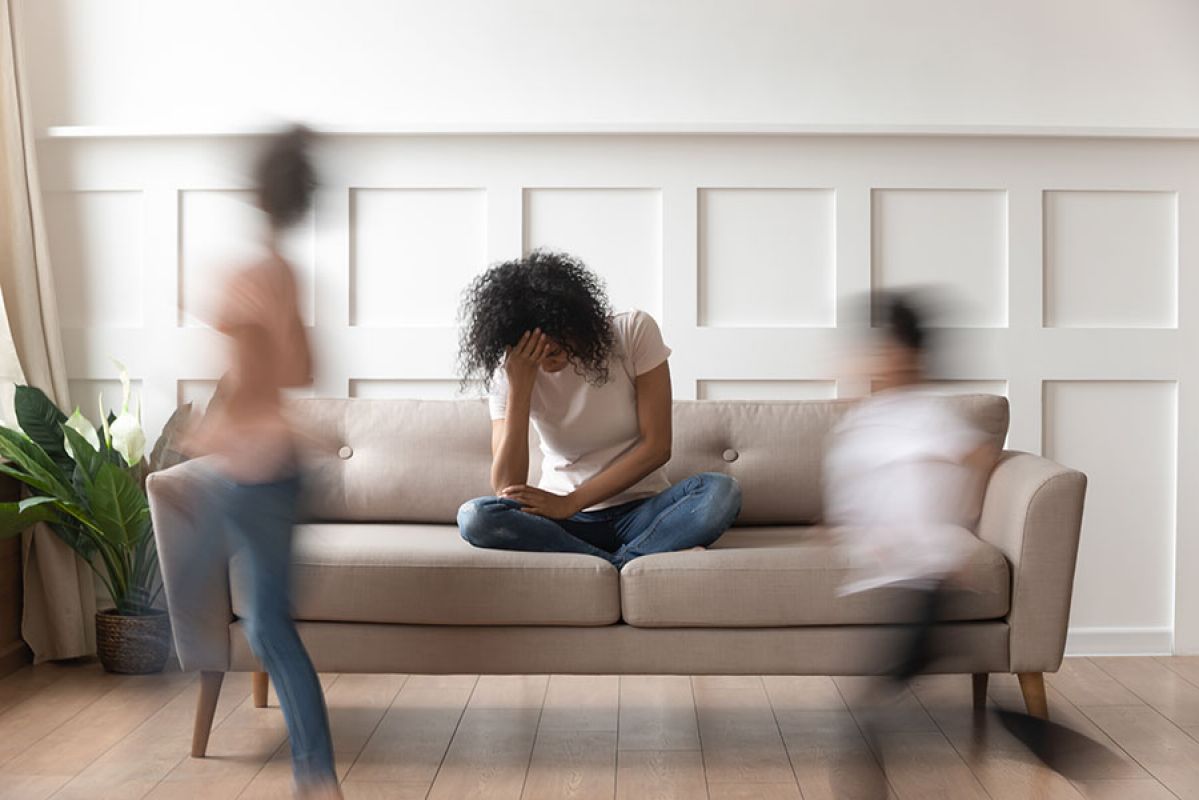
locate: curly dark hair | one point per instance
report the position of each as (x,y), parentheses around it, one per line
(545,289)
(285,178)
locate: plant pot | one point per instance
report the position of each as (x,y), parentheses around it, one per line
(133,645)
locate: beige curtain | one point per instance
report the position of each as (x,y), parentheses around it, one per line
(59,599)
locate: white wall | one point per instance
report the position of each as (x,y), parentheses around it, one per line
(1073,254)
(1119,63)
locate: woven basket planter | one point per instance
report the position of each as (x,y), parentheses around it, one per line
(133,645)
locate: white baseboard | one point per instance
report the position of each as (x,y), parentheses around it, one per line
(1120,641)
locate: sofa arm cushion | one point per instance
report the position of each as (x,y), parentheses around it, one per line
(195,565)
(1032,512)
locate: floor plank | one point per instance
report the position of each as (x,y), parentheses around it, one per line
(1085,684)
(1002,764)
(142,759)
(1143,789)
(356,704)
(24,683)
(1006,694)
(72,732)
(921,765)
(1169,754)
(830,758)
(657,712)
(1186,666)
(240,746)
(739,735)
(412,738)
(26,723)
(581,703)
(489,755)
(1156,684)
(754,791)
(660,775)
(885,707)
(572,765)
(72,747)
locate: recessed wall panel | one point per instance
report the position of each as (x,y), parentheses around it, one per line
(616,232)
(220,231)
(766,389)
(1111,259)
(953,241)
(767,257)
(413,251)
(416,389)
(1123,435)
(96,243)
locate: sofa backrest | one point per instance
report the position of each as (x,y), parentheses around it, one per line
(419,460)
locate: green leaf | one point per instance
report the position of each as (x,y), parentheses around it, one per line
(118,505)
(87,459)
(42,422)
(14,519)
(31,465)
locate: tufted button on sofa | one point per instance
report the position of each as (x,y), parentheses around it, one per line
(384,583)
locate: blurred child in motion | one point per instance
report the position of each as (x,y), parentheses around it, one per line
(253,453)
(903,475)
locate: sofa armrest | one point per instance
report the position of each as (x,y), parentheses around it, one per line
(1032,511)
(195,564)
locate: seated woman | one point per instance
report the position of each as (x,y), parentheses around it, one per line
(595,385)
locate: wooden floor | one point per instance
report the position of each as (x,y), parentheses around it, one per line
(74,732)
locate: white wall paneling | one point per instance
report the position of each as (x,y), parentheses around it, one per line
(625,247)
(955,238)
(97,245)
(754,251)
(1111,259)
(1124,435)
(412,252)
(767,257)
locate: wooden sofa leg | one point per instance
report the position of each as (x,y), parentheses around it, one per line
(262,682)
(980,688)
(210,692)
(1032,686)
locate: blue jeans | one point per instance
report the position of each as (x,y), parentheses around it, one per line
(692,513)
(258,519)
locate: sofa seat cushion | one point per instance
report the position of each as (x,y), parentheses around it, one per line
(783,576)
(427,575)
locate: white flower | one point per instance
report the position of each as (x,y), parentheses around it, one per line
(79,423)
(128,438)
(125,434)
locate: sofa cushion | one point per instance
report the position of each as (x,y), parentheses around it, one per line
(427,575)
(775,449)
(772,577)
(419,460)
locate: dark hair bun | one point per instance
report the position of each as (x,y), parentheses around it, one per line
(902,319)
(285,177)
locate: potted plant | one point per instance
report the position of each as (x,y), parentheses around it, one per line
(89,487)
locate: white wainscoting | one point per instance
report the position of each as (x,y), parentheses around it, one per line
(1068,256)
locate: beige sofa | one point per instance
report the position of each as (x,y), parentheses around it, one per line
(384,583)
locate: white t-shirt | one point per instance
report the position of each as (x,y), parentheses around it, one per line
(897,489)
(583,428)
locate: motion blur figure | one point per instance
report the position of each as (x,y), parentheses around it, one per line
(252,450)
(905,473)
